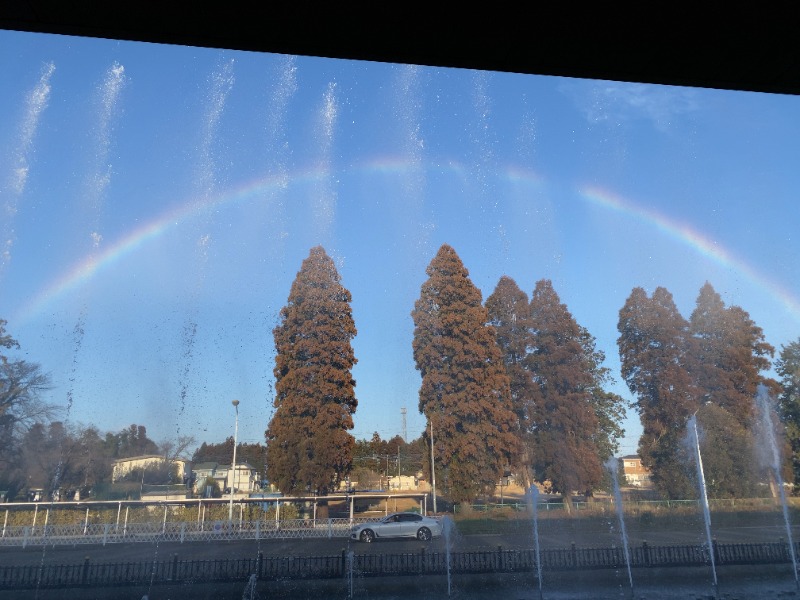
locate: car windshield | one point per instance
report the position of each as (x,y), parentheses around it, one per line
(248,293)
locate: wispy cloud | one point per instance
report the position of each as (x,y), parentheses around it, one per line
(615,103)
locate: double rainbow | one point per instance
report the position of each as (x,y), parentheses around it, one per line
(105,259)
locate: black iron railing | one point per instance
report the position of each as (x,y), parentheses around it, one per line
(174,570)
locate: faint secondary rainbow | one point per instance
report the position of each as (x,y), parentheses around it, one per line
(694,239)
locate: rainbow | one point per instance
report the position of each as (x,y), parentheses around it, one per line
(105,259)
(689,236)
(100,261)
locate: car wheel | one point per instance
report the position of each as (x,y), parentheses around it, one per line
(424,534)
(367,536)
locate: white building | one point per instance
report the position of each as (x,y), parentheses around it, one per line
(403,482)
(244,479)
(123,466)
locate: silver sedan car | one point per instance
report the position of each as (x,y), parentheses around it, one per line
(398,525)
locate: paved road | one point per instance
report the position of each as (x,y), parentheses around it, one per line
(552,534)
(740,583)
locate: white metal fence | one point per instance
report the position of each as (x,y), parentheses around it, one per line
(110,533)
(182,520)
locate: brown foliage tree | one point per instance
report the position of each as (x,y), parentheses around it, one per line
(656,350)
(710,365)
(730,352)
(727,450)
(465,391)
(308,444)
(562,407)
(730,355)
(509,314)
(788,406)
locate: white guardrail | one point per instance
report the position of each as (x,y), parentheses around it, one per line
(110,533)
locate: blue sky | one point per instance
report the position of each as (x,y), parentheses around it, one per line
(157,202)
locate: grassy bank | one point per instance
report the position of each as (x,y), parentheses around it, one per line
(642,518)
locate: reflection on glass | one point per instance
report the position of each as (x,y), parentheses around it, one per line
(547,272)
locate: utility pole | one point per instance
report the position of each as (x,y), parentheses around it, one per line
(433,470)
(233,464)
(405,431)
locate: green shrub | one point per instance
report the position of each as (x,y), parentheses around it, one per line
(288,513)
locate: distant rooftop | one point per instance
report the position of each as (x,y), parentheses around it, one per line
(205,465)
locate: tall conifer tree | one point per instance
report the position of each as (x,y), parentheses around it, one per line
(565,422)
(788,406)
(656,350)
(309,447)
(731,353)
(465,391)
(509,314)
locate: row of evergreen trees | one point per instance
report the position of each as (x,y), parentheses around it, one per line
(511,384)
(517,383)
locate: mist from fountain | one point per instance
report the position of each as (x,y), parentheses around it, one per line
(448,528)
(533,498)
(695,440)
(351,559)
(36,102)
(250,589)
(97,182)
(221,83)
(613,467)
(766,431)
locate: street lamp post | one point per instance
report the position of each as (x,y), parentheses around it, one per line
(233,464)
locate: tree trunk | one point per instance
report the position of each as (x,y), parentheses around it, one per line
(567,499)
(773,487)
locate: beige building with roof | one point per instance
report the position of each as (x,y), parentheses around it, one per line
(636,474)
(122,466)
